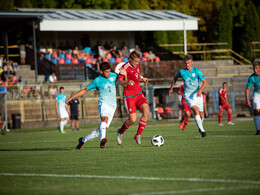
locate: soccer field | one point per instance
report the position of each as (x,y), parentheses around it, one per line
(227,161)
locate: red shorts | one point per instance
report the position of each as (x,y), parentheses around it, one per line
(131,103)
(186,107)
(226,107)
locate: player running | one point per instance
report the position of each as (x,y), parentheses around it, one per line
(133,97)
(224,105)
(105,85)
(254,79)
(187,111)
(191,77)
(62,109)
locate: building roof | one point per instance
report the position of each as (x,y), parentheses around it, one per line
(113,20)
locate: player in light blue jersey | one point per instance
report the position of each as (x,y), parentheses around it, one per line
(254,79)
(62,109)
(105,85)
(191,77)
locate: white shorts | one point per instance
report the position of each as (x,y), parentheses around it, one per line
(63,114)
(108,111)
(195,101)
(256,101)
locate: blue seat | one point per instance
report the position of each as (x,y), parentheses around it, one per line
(112,60)
(61,56)
(125,59)
(48,56)
(54,61)
(68,61)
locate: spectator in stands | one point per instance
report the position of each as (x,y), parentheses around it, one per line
(151,56)
(1,70)
(52,92)
(102,51)
(52,78)
(74,107)
(39,92)
(14,65)
(76,52)
(97,65)
(8,74)
(1,61)
(22,52)
(8,65)
(137,48)
(125,52)
(115,52)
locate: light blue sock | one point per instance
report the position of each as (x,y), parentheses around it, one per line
(256,120)
(92,135)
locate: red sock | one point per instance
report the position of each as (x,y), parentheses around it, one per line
(141,127)
(182,119)
(229,117)
(124,128)
(185,122)
(219,118)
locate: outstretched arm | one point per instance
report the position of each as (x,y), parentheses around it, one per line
(173,83)
(79,94)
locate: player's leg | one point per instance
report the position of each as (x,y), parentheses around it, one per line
(186,119)
(221,110)
(72,124)
(229,115)
(256,120)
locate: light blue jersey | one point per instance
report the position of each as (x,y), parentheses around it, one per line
(254,80)
(61,98)
(191,81)
(106,88)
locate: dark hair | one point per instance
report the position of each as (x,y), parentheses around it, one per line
(256,63)
(188,57)
(61,88)
(104,66)
(224,83)
(135,54)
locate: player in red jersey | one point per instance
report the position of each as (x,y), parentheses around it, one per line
(133,97)
(186,109)
(223,105)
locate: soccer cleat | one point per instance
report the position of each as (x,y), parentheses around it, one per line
(180,124)
(7,130)
(184,129)
(77,129)
(103,143)
(220,124)
(137,138)
(230,123)
(203,134)
(62,132)
(79,146)
(257,132)
(119,137)
(73,129)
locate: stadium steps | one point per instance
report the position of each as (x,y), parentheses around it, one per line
(27,75)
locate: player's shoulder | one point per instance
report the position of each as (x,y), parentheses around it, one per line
(127,65)
(112,74)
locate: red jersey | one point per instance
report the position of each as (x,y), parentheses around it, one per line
(181,88)
(222,93)
(132,74)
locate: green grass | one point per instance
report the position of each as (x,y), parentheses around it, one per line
(227,153)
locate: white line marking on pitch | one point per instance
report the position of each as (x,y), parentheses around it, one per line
(197,190)
(134,178)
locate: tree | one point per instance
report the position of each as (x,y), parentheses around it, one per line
(133,4)
(225,24)
(251,29)
(7,5)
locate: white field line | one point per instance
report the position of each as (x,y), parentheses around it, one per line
(133,178)
(198,190)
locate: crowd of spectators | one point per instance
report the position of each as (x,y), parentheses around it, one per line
(92,56)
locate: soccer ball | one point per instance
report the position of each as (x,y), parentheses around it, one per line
(157,140)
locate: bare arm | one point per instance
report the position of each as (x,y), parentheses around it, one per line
(205,84)
(173,83)
(248,103)
(79,94)
(56,105)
